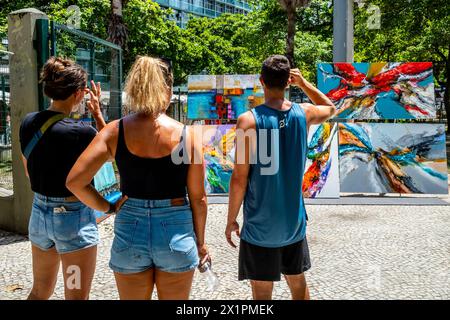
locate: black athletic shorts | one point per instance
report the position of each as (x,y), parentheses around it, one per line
(267,264)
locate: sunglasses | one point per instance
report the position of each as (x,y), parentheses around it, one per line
(168,62)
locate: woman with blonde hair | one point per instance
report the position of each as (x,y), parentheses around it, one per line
(159,234)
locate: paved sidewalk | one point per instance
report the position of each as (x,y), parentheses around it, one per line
(358,252)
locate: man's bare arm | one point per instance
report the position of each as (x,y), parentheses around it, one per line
(239,178)
(322,108)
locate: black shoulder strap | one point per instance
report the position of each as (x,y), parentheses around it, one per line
(38,135)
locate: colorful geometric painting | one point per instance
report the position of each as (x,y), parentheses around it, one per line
(379,90)
(241,93)
(321,178)
(223,96)
(218,151)
(393,158)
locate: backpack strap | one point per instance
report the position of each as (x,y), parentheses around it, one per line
(38,135)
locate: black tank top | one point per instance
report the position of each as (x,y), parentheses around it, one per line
(150,178)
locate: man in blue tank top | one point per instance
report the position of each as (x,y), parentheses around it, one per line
(268,174)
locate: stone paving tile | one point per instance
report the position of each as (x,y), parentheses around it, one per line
(358,252)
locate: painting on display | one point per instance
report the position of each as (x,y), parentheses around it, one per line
(379,90)
(223,96)
(218,152)
(321,178)
(106,183)
(393,158)
(241,93)
(202,97)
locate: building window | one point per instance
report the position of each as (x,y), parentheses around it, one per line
(209,4)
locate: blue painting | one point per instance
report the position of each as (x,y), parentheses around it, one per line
(393,158)
(202,97)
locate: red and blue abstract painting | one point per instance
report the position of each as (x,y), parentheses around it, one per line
(366,91)
(321,178)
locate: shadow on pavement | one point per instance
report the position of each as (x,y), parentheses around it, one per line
(9,238)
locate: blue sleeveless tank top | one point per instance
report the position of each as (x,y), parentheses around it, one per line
(274,211)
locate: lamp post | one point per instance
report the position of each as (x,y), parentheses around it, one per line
(343,31)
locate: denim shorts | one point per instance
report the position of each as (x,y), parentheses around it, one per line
(153,234)
(67,226)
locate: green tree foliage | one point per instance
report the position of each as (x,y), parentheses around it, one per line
(150,33)
(228,44)
(291,6)
(410,30)
(94,14)
(13,5)
(314,30)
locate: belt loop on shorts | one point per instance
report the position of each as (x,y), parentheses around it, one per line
(41,197)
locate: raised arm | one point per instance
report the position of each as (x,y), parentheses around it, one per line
(322,108)
(197,193)
(91,160)
(94,105)
(239,178)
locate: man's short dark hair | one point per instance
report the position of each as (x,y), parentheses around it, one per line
(275,72)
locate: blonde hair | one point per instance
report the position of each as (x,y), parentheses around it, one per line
(148,86)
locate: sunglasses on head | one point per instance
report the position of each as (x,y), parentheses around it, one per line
(168,62)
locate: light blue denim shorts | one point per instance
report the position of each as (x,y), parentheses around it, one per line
(67,226)
(153,234)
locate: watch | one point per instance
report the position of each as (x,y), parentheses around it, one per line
(112,209)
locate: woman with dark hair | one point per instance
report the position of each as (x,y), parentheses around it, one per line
(61,228)
(159,235)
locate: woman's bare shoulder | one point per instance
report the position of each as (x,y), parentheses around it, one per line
(111,129)
(169,121)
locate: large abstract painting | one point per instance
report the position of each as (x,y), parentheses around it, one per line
(218,152)
(222,96)
(321,178)
(379,90)
(393,158)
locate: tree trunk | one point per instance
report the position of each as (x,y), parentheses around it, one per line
(290,41)
(447,93)
(116,34)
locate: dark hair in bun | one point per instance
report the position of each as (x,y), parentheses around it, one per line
(62,78)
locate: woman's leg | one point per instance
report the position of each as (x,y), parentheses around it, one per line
(174,286)
(78,271)
(45,272)
(136,286)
